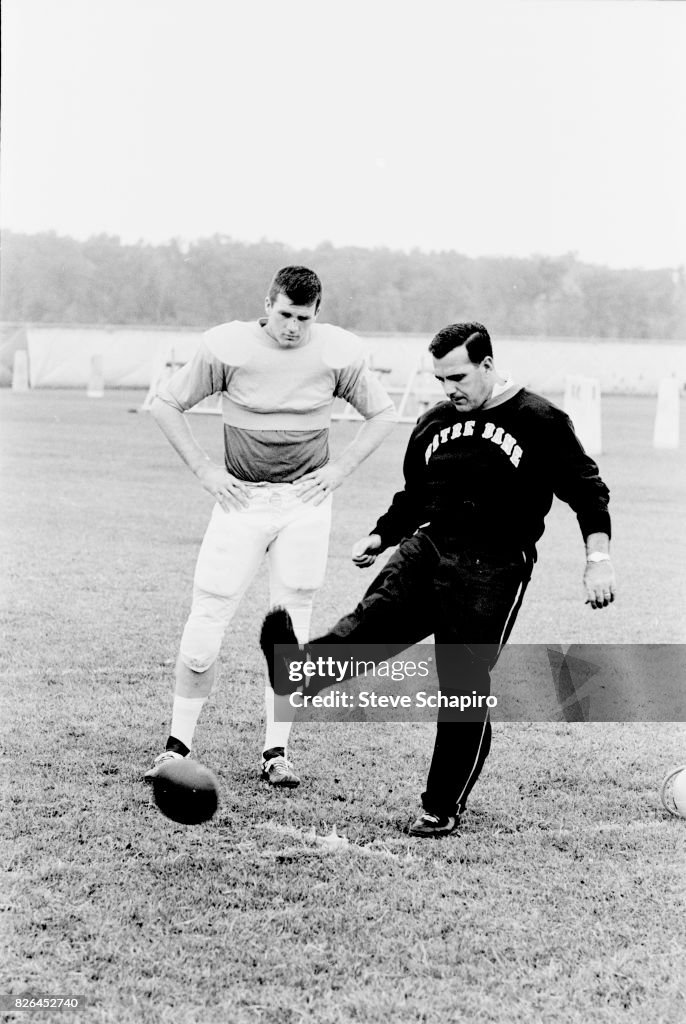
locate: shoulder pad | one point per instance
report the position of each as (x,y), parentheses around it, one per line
(339,347)
(231,343)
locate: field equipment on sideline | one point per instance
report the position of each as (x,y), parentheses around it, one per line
(582,405)
(96,378)
(666,429)
(20,371)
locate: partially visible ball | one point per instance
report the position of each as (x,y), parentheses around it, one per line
(679,792)
(186,791)
(673,791)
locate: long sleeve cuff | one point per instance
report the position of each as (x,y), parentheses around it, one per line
(597,521)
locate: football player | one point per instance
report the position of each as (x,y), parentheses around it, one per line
(481,469)
(279,377)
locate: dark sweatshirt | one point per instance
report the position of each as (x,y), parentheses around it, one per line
(486,478)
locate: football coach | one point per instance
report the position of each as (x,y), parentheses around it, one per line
(481,470)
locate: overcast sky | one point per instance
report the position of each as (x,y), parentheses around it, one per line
(508,128)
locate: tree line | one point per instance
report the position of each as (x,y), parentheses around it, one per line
(49,278)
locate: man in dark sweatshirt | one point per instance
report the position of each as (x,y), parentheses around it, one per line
(480,472)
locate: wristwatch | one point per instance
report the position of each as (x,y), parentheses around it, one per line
(598,556)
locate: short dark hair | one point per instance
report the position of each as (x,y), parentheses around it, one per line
(473,336)
(299,284)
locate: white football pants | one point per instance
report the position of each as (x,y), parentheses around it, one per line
(294,535)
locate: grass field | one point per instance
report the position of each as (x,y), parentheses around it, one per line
(561,899)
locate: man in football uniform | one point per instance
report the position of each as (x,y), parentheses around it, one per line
(480,473)
(279,377)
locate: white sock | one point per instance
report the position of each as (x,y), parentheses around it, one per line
(185,714)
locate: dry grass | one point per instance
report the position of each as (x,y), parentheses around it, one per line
(561,898)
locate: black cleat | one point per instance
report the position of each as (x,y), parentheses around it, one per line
(163,758)
(277,771)
(277,631)
(433,826)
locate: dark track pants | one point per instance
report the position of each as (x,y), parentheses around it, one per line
(469,600)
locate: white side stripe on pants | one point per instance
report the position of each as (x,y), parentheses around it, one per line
(476,761)
(513,611)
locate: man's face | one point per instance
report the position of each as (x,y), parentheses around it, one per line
(289,325)
(468,385)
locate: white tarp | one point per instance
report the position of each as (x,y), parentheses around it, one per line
(60,357)
(543,364)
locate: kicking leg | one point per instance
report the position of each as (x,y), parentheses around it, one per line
(395,612)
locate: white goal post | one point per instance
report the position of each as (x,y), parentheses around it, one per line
(420,391)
